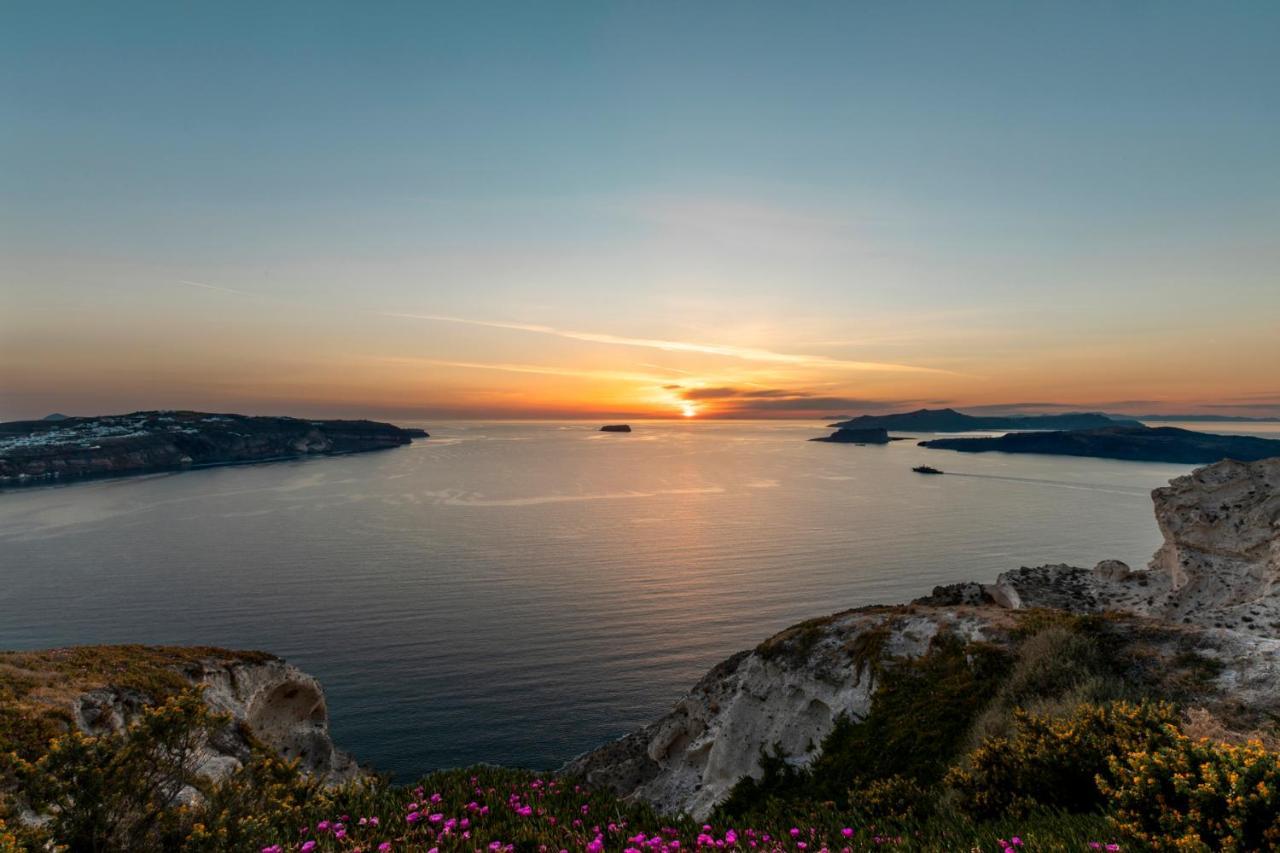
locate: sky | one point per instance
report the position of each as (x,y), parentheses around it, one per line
(639,209)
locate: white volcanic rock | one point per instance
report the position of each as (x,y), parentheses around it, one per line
(789,692)
(1211,589)
(1221,550)
(1219,565)
(279,704)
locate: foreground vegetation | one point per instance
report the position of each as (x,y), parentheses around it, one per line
(1057,741)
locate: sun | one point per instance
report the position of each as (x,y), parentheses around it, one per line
(689,410)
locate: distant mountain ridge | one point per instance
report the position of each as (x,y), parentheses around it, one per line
(1244,419)
(1134,443)
(949,420)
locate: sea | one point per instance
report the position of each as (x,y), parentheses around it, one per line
(518,593)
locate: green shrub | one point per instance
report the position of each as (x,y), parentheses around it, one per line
(120,792)
(1198,795)
(892,800)
(267,797)
(1054,762)
(1057,669)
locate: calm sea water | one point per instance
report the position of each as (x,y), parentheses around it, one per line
(518,593)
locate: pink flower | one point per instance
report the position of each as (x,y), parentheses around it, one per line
(412,817)
(384,847)
(847,832)
(308,847)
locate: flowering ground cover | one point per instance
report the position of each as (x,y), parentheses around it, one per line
(491,809)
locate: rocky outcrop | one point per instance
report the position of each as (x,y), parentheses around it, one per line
(1134,443)
(1219,565)
(616,428)
(102,689)
(1210,593)
(43,451)
(271,701)
(787,692)
(283,708)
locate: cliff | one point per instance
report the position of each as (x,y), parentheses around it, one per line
(101,689)
(949,420)
(44,451)
(1201,625)
(1138,443)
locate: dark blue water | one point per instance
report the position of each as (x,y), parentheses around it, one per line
(519,593)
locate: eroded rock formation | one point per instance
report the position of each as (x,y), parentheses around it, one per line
(269,700)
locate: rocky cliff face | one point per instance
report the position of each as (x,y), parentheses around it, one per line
(41,451)
(1219,566)
(1210,594)
(101,689)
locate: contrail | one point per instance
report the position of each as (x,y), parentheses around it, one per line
(746,353)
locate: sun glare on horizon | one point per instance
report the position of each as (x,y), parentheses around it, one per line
(688,410)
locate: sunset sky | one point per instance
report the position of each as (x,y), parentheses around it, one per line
(538,209)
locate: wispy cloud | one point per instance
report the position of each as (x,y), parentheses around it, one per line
(540,369)
(217,287)
(745,353)
(804,406)
(729,393)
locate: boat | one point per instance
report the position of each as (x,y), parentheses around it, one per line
(925,469)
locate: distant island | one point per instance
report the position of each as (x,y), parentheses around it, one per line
(1137,443)
(615,428)
(857,436)
(949,420)
(1241,419)
(143,442)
